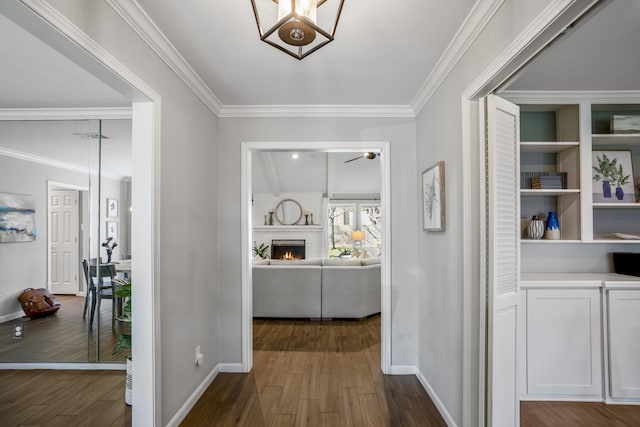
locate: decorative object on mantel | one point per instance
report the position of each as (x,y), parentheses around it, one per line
(613,168)
(270,217)
(288,212)
(306,218)
(433,198)
(552,229)
(311,214)
(297,25)
(535,229)
(17,218)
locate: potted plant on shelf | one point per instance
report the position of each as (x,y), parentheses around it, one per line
(123,290)
(619,179)
(605,171)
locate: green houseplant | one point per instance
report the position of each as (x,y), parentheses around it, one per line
(260,250)
(605,171)
(123,290)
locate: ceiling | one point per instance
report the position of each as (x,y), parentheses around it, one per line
(278,172)
(70,144)
(34,75)
(382,53)
(600,53)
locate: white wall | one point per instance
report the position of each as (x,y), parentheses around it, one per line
(404,267)
(439,137)
(24,264)
(186,206)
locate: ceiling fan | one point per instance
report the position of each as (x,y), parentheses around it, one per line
(370,156)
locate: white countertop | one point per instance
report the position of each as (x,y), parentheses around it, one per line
(579,280)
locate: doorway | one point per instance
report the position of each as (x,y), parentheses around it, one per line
(248,150)
(63,235)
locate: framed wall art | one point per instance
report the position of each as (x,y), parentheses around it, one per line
(112,230)
(613,179)
(112,208)
(17,218)
(433,198)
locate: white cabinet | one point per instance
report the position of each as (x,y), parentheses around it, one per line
(563,343)
(624,343)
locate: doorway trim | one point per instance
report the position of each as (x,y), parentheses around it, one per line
(545,28)
(247,148)
(63,35)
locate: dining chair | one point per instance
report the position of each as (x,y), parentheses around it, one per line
(97,289)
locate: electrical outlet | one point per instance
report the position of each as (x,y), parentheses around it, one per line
(18,331)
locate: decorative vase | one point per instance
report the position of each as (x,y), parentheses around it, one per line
(270,217)
(306,219)
(311,221)
(552,229)
(128,392)
(606,189)
(619,193)
(535,230)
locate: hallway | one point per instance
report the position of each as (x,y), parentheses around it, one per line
(312,373)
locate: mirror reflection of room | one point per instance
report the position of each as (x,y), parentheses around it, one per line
(76,175)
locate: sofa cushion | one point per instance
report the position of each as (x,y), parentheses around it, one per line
(371,261)
(342,262)
(309,261)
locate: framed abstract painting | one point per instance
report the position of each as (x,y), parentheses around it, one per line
(433,198)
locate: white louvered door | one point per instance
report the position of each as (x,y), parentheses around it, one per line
(503,261)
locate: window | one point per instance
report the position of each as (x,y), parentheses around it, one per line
(344,218)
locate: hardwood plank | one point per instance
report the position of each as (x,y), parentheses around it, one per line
(565,414)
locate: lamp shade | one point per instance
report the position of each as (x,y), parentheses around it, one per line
(357,235)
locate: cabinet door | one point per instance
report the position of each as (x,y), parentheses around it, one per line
(624,343)
(564,343)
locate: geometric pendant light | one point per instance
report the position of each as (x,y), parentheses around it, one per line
(297,31)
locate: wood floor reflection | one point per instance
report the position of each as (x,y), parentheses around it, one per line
(312,373)
(62,337)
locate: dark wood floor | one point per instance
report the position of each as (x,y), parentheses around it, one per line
(63,398)
(574,414)
(311,373)
(62,337)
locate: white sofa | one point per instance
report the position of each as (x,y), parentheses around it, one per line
(314,289)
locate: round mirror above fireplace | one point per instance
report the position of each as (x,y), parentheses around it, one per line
(288,212)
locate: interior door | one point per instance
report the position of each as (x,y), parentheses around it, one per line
(63,271)
(503,261)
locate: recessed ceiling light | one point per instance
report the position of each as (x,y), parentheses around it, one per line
(294,156)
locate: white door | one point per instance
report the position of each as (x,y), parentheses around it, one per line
(503,261)
(63,269)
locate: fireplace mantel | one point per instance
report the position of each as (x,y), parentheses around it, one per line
(287,228)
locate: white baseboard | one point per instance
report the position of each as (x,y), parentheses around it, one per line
(402,370)
(67,366)
(232,368)
(436,400)
(193,399)
(12,316)
(550,398)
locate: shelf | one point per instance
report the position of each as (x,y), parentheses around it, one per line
(544,241)
(525,192)
(615,139)
(616,241)
(616,205)
(309,228)
(546,147)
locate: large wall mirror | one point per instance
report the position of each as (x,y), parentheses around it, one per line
(77,175)
(288,212)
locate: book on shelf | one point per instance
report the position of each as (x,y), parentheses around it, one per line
(543,180)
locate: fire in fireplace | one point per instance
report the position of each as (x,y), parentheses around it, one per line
(288,249)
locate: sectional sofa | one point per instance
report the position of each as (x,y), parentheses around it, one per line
(315,288)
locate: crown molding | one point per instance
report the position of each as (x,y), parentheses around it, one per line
(21,155)
(379,111)
(472,26)
(143,25)
(540,97)
(64,113)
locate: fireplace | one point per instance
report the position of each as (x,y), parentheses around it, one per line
(290,249)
